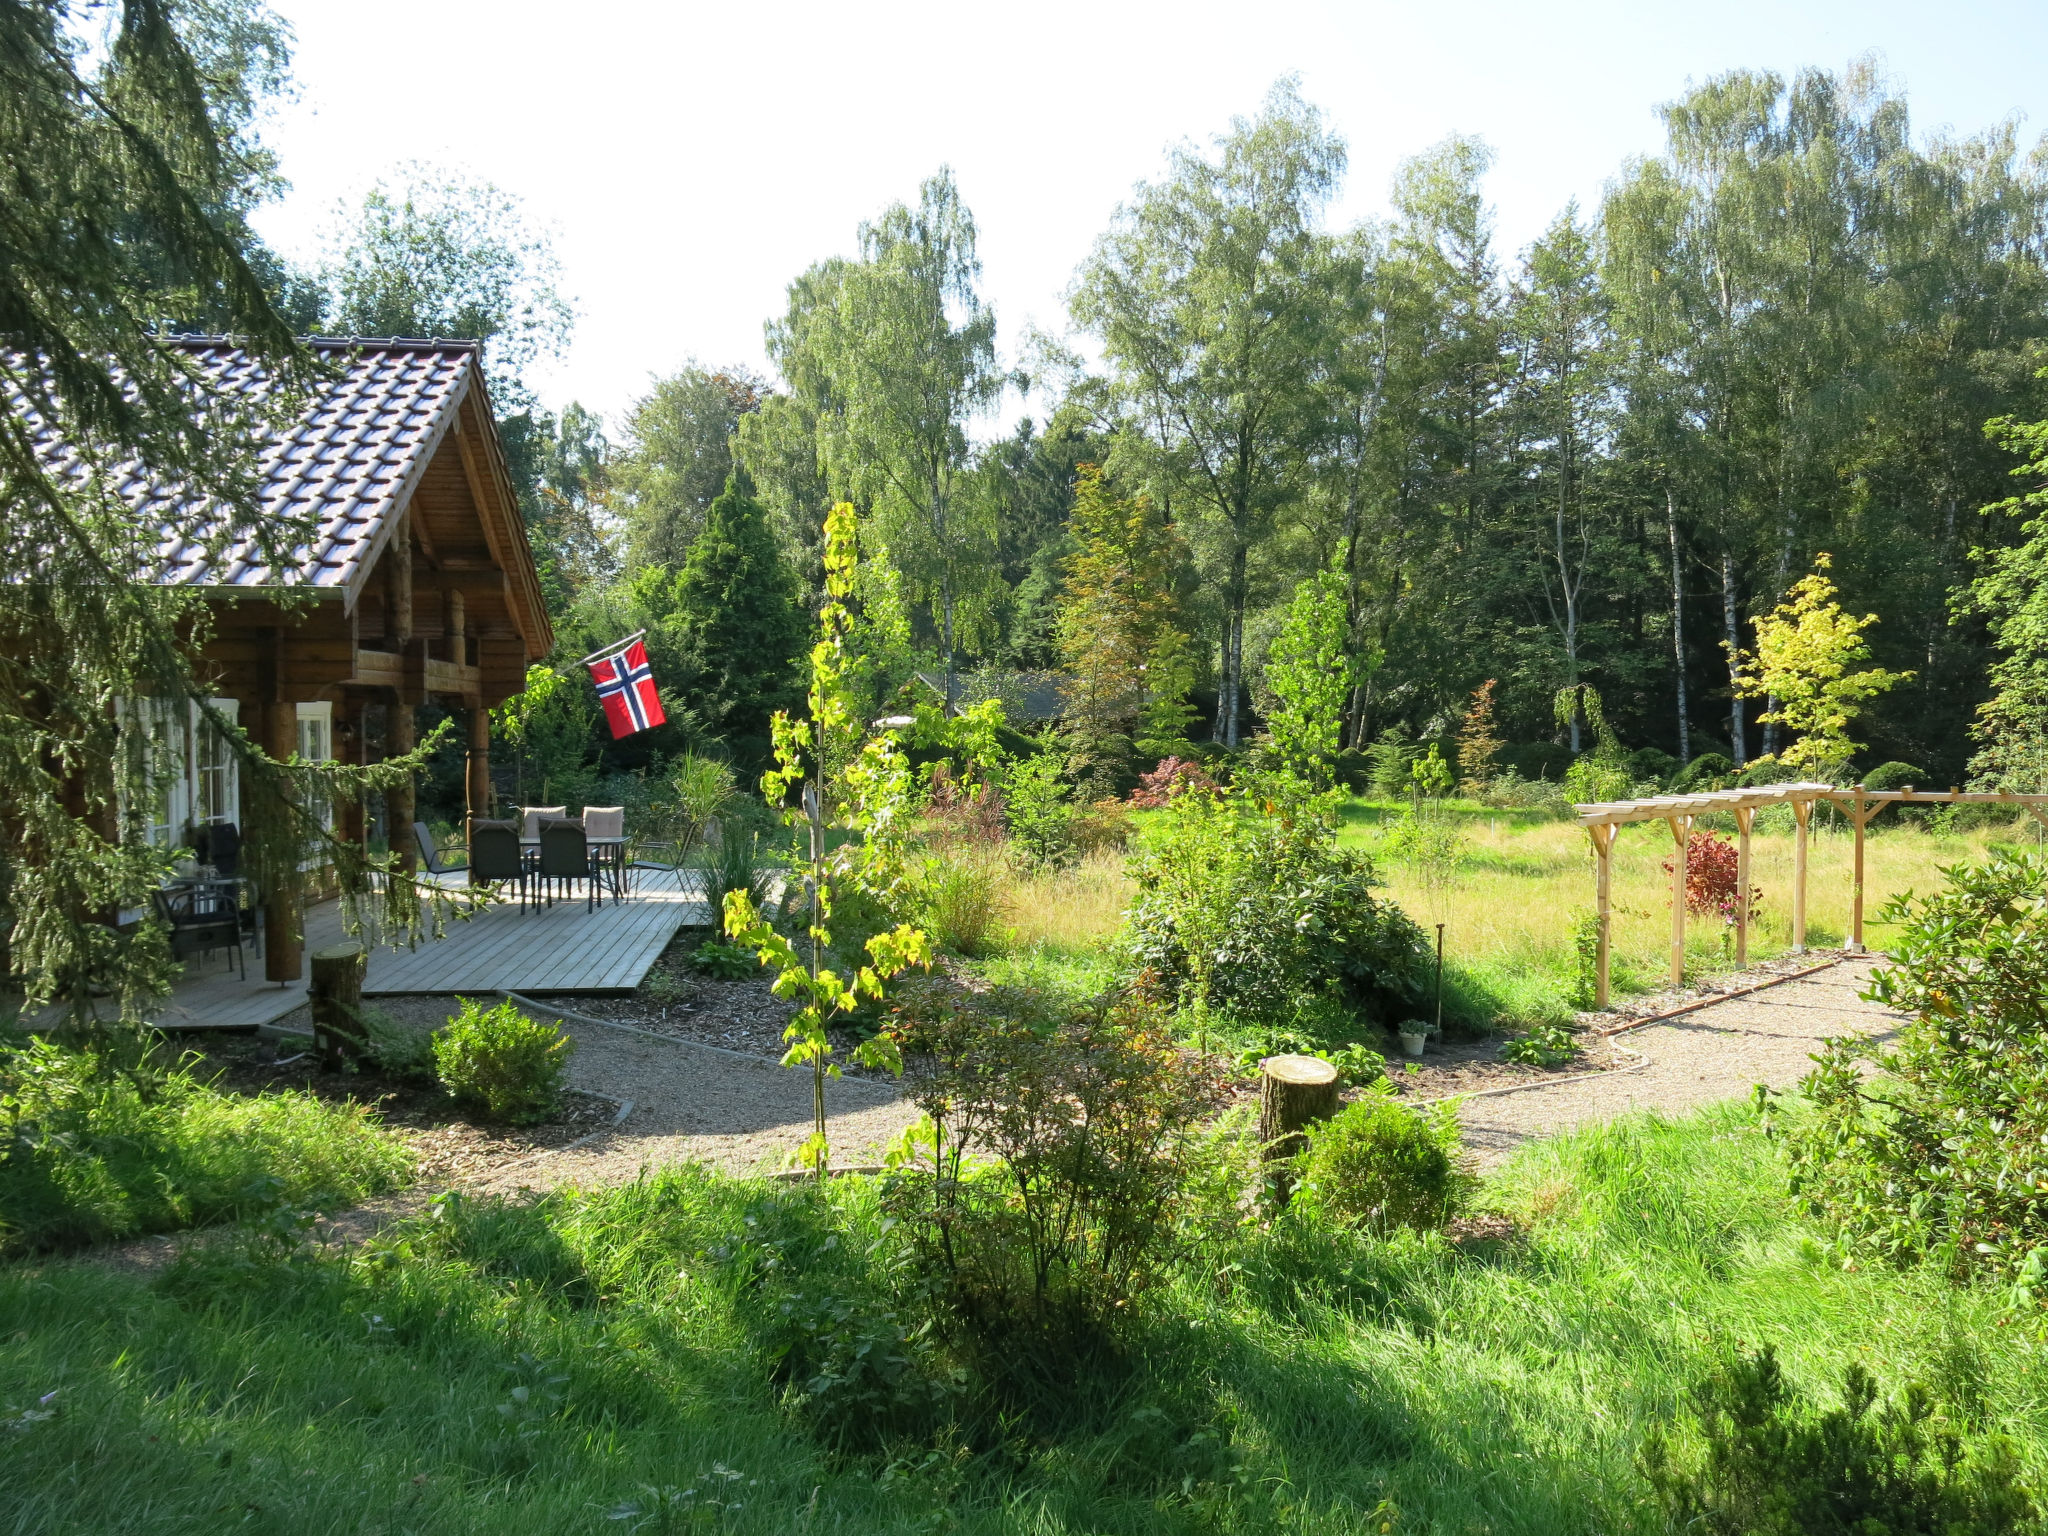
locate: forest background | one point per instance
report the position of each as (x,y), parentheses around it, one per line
(1594,461)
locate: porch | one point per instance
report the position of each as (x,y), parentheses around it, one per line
(500,948)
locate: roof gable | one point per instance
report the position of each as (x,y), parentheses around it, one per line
(347,465)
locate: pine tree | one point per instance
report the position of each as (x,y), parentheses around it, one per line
(739,624)
(1479,743)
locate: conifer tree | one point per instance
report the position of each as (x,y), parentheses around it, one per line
(739,624)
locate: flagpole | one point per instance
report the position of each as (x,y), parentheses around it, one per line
(606,652)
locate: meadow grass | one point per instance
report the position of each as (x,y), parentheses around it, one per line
(1510,914)
(540,1367)
(96,1155)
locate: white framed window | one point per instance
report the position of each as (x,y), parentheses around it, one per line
(167,732)
(316,745)
(216,773)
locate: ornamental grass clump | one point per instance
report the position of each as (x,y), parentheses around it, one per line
(509,1065)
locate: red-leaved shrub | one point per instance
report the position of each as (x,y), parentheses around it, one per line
(1710,877)
(1174,776)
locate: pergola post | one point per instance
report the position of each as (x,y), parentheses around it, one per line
(1603,918)
(1802,813)
(1744,815)
(1681,838)
(1856,890)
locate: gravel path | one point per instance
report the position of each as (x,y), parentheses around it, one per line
(1719,1052)
(692,1102)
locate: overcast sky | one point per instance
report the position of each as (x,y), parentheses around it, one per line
(691,159)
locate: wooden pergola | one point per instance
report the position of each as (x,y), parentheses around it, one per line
(1858,804)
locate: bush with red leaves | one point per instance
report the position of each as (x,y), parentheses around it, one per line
(1174,776)
(1710,877)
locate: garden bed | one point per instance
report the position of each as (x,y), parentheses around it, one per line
(452,1147)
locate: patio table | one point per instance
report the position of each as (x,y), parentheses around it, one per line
(606,853)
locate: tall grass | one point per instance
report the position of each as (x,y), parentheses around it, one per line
(94,1155)
(538,1367)
(1529,881)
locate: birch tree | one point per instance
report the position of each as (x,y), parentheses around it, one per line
(1206,296)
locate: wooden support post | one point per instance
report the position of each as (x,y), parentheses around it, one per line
(1681,838)
(454,623)
(1603,913)
(1294,1093)
(336,996)
(283,933)
(1802,813)
(1744,815)
(479,765)
(351,747)
(401,735)
(1856,889)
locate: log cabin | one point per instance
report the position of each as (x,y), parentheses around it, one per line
(418,584)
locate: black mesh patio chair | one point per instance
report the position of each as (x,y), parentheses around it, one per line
(565,856)
(202,917)
(218,845)
(495,856)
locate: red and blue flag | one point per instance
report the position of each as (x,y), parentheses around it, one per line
(625,687)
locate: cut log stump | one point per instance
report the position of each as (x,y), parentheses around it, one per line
(336,994)
(1294,1093)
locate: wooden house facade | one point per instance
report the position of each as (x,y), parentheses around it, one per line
(417,583)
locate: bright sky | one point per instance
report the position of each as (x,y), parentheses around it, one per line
(693,158)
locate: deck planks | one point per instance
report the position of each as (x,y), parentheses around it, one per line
(503,948)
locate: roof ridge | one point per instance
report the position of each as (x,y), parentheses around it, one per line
(197,341)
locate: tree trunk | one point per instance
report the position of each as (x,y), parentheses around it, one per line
(1738,749)
(1678,631)
(336,996)
(1294,1093)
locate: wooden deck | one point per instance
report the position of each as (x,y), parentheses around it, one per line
(500,949)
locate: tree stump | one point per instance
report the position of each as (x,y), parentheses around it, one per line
(336,993)
(1294,1092)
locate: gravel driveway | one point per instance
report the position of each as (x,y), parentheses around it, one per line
(692,1102)
(1719,1052)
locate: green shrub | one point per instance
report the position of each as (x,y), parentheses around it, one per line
(967,907)
(499,1059)
(1769,1463)
(726,962)
(399,1048)
(1247,905)
(1049,1191)
(1896,775)
(1709,770)
(93,1153)
(1935,1143)
(1544,1045)
(1379,1164)
(1038,807)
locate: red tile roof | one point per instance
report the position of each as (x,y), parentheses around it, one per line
(347,464)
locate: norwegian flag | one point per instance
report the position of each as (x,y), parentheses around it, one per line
(625,687)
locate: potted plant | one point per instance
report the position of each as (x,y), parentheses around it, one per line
(1414,1036)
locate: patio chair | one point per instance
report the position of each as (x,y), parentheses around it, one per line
(496,857)
(218,844)
(201,917)
(529,827)
(431,855)
(565,855)
(607,821)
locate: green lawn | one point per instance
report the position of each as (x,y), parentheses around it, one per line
(537,1369)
